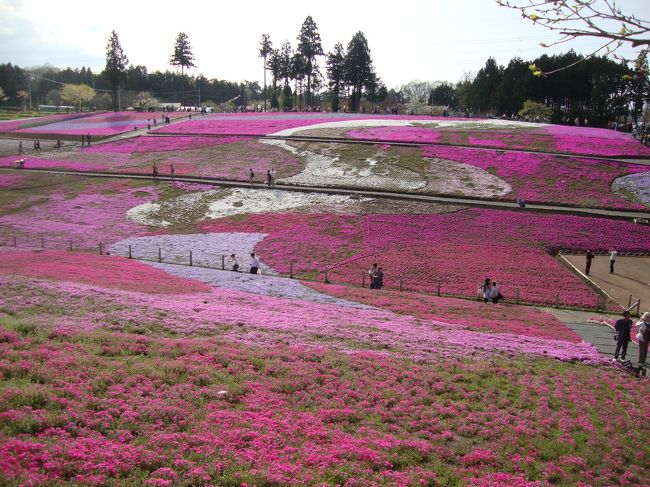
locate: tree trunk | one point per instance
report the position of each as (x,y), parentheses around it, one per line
(265,84)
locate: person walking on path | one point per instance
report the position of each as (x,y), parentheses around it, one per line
(21,151)
(251,175)
(83,141)
(643,336)
(486,289)
(373,275)
(234,263)
(154,170)
(623,328)
(88,139)
(171,171)
(589,257)
(612,260)
(255,263)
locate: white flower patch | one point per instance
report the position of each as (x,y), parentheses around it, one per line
(147,214)
(326,170)
(279,287)
(242,200)
(635,187)
(457,178)
(207,248)
(439,123)
(182,209)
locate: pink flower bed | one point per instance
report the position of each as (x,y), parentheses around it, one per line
(103,124)
(158,144)
(595,141)
(265,123)
(460,249)
(112,408)
(547,178)
(396,134)
(13,125)
(519,320)
(550,138)
(94,215)
(7,180)
(112,272)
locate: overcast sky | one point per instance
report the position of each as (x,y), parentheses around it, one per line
(409,39)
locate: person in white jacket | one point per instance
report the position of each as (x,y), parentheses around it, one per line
(643,336)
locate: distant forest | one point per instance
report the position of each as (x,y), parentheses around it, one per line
(598,89)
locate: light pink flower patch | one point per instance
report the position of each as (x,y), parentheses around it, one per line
(422,135)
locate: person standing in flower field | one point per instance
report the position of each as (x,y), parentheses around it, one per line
(255,263)
(486,289)
(379,279)
(234,264)
(623,328)
(495,292)
(373,275)
(589,257)
(643,336)
(612,260)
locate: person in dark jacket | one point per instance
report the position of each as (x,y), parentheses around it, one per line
(623,328)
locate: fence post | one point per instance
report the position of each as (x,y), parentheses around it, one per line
(517,295)
(101,250)
(401,282)
(557,299)
(130,255)
(223,262)
(438,291)
(190,258)
(629,302)
(290,270)
(70,245)
(159,255)
(363,279)
(15,243)
(638,307)
(327,281)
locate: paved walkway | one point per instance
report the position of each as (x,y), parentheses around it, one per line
(589,327)
(631,278)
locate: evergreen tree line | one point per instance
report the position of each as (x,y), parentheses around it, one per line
(350,72)
(165,86)
(597,89)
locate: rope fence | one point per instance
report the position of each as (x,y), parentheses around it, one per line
(603,302)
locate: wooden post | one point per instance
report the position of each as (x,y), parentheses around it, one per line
(638,308)
(15,243)
(190,258)
(130,255)
(557,299)
(290,270)
(401,282)
(629,302)
(101,250)
(70,245)
(363,279)
(159,255)
(438,291)
(517,295)
(223,262)
(327,281)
